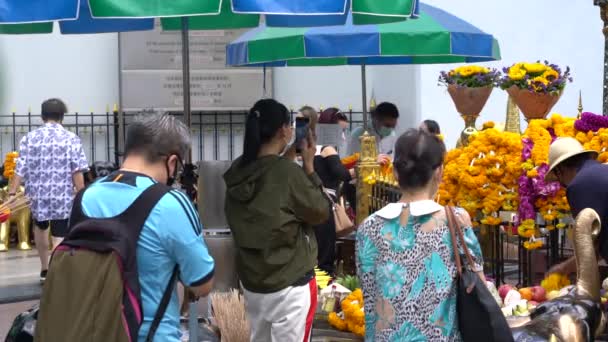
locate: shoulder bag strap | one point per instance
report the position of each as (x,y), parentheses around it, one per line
(452,226)
(458,230)
(162,307)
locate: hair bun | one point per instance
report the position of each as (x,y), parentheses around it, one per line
(417,155)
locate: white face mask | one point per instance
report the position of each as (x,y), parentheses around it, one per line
(290,142)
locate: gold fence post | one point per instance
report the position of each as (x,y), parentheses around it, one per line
(368,166)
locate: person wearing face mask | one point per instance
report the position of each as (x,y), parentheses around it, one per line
(271,206)
(172,233)
(384,121)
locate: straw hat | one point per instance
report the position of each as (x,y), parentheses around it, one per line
(562,149)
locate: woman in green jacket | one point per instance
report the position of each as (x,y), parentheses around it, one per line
(271,206)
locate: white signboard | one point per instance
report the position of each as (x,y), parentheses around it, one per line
(151,72)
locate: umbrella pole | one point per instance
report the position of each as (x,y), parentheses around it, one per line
(264,95)
(186,79)
(364,96)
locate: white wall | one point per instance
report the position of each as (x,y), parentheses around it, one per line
(341,87)
(80,69)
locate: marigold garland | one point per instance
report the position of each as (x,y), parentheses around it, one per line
(481,177)
(351,161)
(10,162)
(352,317)
(536,195)
(555,282)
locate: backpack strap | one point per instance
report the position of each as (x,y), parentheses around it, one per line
(162,307)
(137,213)
(77,214)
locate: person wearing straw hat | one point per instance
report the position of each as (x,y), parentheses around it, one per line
(586,183)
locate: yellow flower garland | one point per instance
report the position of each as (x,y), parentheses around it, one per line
(555,282)
(555,207)
(10,163)
(352,317)
(482,177)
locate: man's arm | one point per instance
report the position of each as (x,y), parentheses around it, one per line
(186,244)
(78,180)
(78,164)
(20,168)
(354,144)
(578,199)
(14,185)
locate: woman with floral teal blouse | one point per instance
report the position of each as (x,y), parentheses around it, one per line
(405,258)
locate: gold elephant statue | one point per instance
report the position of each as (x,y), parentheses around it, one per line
(21,219)
(576,316)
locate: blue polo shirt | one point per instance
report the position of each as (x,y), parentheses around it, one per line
(171,235)
(589,189)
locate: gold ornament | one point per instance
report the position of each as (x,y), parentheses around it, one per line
(21,218)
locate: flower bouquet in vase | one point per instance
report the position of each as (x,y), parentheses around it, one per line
(470,87)
(535,87)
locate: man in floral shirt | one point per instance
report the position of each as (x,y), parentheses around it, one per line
(51,164)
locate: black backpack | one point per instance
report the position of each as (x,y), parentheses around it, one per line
(92,291)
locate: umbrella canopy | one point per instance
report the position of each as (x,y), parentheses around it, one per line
(307,13)
(82,23)
(152,9)
(226,19)
(435,37)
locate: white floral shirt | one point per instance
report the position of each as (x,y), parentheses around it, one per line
(48,157)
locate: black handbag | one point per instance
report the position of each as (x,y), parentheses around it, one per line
(479,316)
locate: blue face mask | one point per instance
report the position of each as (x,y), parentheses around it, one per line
(384,131)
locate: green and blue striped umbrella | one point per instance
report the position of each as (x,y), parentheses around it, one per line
(435,37)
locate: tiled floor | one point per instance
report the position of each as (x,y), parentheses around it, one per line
(19,272)
(20,289)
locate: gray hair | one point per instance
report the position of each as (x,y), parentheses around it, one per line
(156,136)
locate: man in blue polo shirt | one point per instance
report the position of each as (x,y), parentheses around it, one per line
(586,183)
(172,233)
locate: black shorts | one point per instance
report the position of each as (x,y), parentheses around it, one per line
(59,228)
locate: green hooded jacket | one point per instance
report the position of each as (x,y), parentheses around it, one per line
(271,206)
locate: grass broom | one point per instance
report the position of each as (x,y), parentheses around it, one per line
(230,316)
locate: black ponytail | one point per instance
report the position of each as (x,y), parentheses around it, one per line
(251,144)
(264,120)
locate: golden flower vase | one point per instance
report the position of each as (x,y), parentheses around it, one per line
(469,103)
(533,105)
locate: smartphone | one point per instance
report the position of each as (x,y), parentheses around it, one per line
(301,132)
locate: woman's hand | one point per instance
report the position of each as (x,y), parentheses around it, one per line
(308,153)
(384,159)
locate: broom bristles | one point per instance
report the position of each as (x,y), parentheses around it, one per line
(230,316)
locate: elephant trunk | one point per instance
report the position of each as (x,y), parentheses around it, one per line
(588,280)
